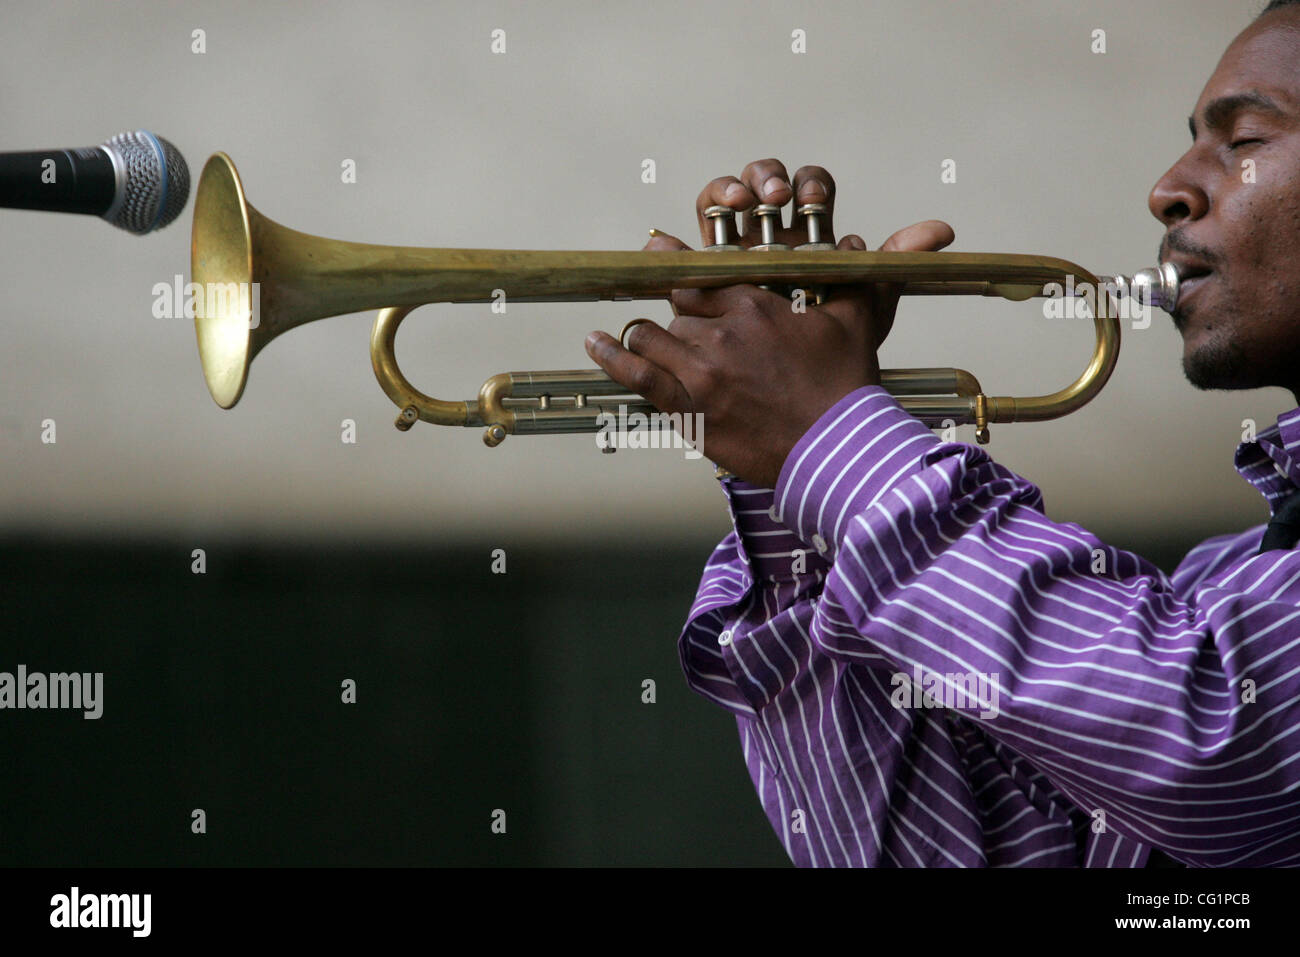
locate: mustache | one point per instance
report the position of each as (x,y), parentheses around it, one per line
(1177,241)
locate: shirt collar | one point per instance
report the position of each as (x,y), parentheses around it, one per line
(1270,461)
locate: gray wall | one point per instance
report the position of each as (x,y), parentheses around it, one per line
(541,147)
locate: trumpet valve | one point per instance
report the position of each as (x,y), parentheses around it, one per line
(812,214)
(723,219)
(769,219)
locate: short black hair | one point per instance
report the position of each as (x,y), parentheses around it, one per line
(1277,5)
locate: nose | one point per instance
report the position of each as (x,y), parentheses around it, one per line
(1177,196)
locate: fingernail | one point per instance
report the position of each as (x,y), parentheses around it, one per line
(813,190)
(772,184)
(734,192)
(592,339)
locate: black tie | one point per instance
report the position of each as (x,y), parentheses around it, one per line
(1284,530)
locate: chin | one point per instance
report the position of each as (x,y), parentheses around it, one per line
(1217,364)
(1212,358)
(1221,367)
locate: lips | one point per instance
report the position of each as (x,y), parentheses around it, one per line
(1192,275)
(1190,281)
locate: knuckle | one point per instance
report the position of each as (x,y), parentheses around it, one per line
(722,335)
(642,379)
(759,167)
(682,300)
(708,379)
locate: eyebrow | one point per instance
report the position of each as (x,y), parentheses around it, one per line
(1218,112)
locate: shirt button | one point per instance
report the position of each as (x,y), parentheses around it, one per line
(819,543)
(725,637)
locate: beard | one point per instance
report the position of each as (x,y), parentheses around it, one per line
(1219,365)
(1218,362)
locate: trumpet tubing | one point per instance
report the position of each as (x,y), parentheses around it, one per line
(301,278)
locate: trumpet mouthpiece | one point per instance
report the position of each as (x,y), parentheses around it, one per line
(1157,286)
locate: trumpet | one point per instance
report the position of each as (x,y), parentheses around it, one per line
(297,278)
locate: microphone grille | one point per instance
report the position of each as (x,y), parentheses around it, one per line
(153,181)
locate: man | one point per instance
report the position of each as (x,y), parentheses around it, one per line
(1112,715)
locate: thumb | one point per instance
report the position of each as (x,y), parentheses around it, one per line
(925,237)
(928,236)
(660,240)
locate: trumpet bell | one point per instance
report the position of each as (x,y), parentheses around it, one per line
(221,258)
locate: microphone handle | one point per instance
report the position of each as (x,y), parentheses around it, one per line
(80,180)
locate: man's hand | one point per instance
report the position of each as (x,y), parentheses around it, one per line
(760,373)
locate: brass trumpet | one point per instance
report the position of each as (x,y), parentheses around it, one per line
(298,277)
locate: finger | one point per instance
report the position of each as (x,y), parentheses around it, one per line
(770,183)
(664,242)
(928,236)
(651,341)
(660,241)
(844,301)
(719,301)
(724,191)
(638,374)
(813,184)
(931,235)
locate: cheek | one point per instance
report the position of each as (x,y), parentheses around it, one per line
(1261,238)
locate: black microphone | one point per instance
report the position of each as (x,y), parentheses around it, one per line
(137,181)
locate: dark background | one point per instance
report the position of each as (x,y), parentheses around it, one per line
(475,691)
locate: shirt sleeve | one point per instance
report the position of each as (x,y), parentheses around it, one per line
(757,554)
(1169,712)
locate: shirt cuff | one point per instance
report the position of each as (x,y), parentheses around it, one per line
(861,447)
(770,550)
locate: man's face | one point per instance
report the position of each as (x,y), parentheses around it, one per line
(1240,320)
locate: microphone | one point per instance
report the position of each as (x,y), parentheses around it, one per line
(137,181)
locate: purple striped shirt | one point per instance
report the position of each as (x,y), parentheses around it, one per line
(1120,708)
